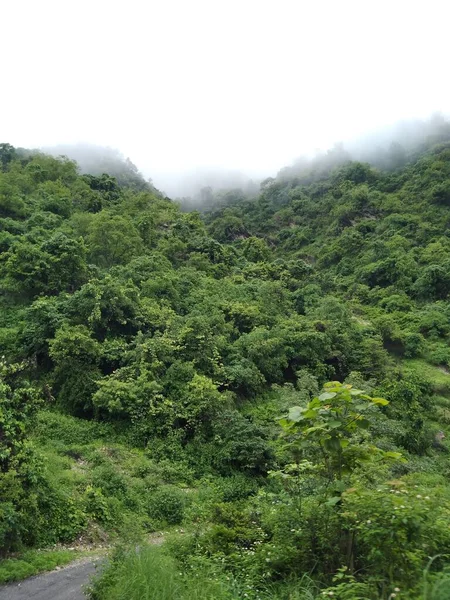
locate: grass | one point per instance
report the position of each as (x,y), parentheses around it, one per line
(65,430)
(150,574)
(34,562)
(437,587)
(439,379)
(301,589)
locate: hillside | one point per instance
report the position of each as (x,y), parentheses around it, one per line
(165,370)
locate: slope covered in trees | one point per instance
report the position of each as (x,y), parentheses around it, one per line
(150,354)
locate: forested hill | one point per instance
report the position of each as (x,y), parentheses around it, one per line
(376,240)
(147,354)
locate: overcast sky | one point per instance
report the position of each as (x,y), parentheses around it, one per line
(247,84)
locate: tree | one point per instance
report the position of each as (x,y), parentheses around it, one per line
(7,154)
(109,306)
(76,356)
(255,249)
(57,264)
(113,240)
(327,426)
(434,282)
(19,467)
(106,185)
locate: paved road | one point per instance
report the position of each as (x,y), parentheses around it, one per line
(64,584)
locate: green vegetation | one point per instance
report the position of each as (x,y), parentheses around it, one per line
(33,562)
(268,381)
(153,574)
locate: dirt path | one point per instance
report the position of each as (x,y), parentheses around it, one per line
(65,583)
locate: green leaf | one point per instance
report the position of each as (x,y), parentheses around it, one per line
(313,429)
(380,401)
(334,423)
(285,424)
(339,486)
(333,501)
(315,402)
(296,413)
(356,392)
(335,386)
(332,444)
(393,455)
(310,414)
(327,396)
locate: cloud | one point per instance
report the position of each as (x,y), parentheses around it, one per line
(243,84)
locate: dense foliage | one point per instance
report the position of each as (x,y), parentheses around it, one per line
(149,355)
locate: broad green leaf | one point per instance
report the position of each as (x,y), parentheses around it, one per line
(339,486)
(380,401)
(310,414)
(296,413)
(332,444)
(356,392)
(393,455)
(315,402)
(313,429)
(333,501)
(327,396)
(285,424)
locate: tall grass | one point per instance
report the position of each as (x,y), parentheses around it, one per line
(151,574)
(436,587)
(299,589)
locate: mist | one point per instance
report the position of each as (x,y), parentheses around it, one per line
(386,148)
(218,94)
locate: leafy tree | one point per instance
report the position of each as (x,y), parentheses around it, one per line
(7,154)
(76,357)
(434,282)
(55,265)
(19,467)
(410,401)
(113,240)
(108,306)
(328,423)
(255,249)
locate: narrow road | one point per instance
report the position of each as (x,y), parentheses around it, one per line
(64,584)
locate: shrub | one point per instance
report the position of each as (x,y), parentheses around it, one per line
(167,505)
(397,526)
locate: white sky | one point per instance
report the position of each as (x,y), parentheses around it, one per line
(247,84)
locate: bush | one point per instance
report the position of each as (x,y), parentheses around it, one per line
(167,505)
(236,487)
(397,526)
(239,445)
(414,344)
